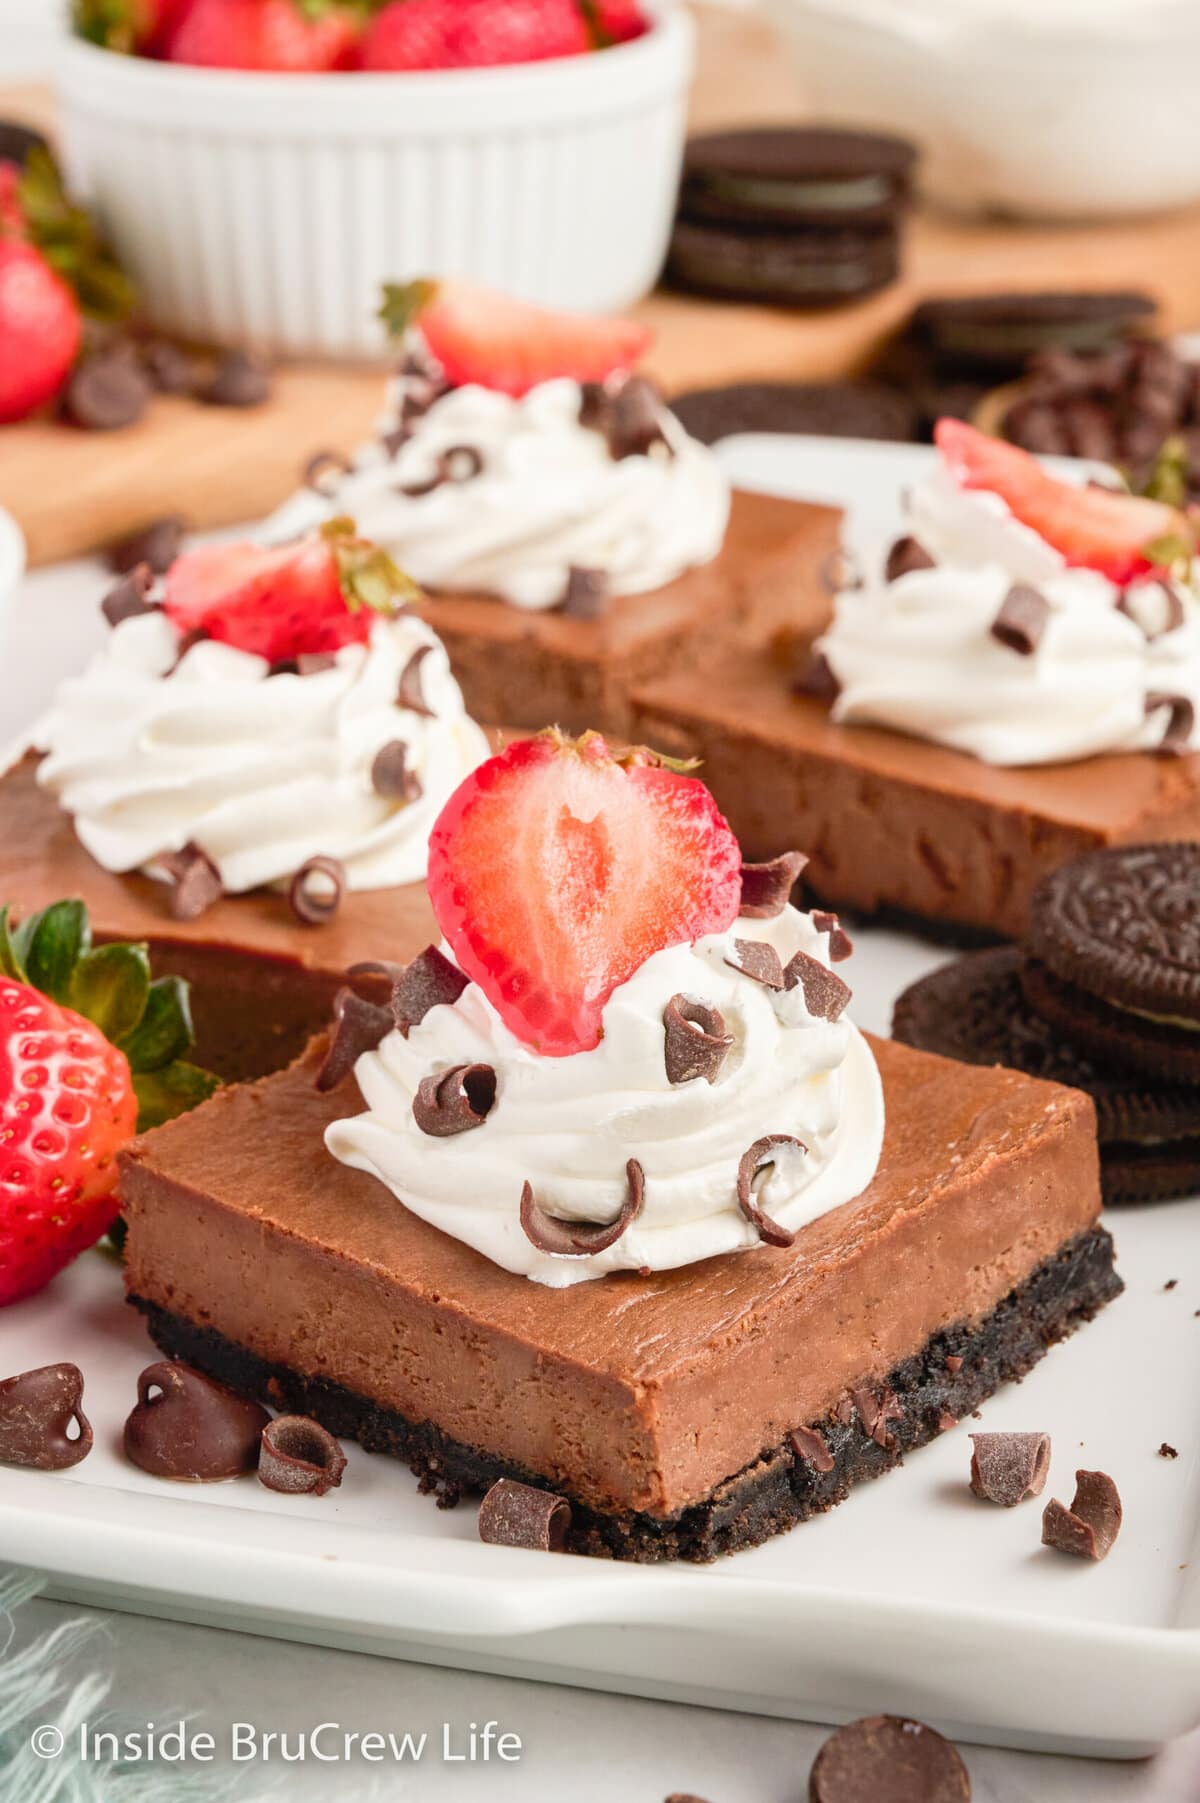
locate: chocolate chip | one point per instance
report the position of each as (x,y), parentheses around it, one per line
(695,1040)
(758,961)
(840,943)
(1181,722)
(130,597)
(188,1427)
(906,556)
(1022,619)
(156,545)
(36,1410)
(766,888)
(456,1100)
(1089,1527)
(239,380)
(360,1027)
(875,1412)
(810,1446)
(586,593)
(169,368)
(391,776)
(816,681)
(299,1457)
(1167,1451)
(825,994)
(107,390)
(321,467)
(1006,1468)
(430,981)
(195,881)
(634,419)
(317,889)
(888,1759)
(410,692)
(513,1514)
(760,1157)
(1171,1283)
(580,1239)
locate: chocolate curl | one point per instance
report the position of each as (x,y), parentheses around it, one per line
(759,1157)
(1177,735)
(809,1445)
(1022,619)
(840,943)
(513,1514)
(766,888)
(634,419)
(1006,1468)
(320,466)
(190,1428)
(410,692)
(430,981)
(195,881)
(456,1100)
(315,902)
(906,556)
(755,959)
(391,776)
(816,681)
(36,1410)
(875,1412)
(695,1040)
(130,597)
(580,1239)
(825,994)
(299,1457)
(361,1026)
(1131,603)
(586,593)
(1089,1527)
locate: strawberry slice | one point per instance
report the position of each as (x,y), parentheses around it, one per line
(1120,535)
(557,869)
(479,335)
(315,594)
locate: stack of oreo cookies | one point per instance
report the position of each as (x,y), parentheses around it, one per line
(789,216)
(1104,996)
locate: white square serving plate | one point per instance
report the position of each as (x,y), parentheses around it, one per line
(910,1597)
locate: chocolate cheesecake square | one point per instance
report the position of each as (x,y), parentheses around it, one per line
(258,1258)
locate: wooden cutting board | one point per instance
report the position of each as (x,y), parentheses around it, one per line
(73,491)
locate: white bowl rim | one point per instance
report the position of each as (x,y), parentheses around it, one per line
(12,552)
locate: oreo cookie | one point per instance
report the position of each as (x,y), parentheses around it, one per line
(1001,332)
(787,176)
(807,268)
(830,409)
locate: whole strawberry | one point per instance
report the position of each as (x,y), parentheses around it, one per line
(90,1050)
(138,26)
(465,34)
(41,326)
(619,21)
(296,36)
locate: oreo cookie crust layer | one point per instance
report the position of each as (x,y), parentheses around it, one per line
(642,1397)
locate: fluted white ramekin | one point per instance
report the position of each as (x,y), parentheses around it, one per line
(268,209)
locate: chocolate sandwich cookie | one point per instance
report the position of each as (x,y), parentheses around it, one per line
(807,268)
(830,409)
(976,1010)
(788,176)
(1001,332)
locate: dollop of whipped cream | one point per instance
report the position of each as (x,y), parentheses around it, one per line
(568,1125)
(1111,669)
(547,496)
(150,751)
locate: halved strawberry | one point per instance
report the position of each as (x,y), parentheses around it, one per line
(315,594)
(480,335)
(557,869)
(1120,535)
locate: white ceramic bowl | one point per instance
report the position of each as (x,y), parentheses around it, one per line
(1044,108)
(268,209)
(12,568)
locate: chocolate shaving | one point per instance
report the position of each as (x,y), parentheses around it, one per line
(593,406)
(361,1026)
(299,1457)
(416,491)
(430,981)
(158,544)
(1022,619)
(37,1408)
(586,594)
(840,943)
(1006,1468)
(131,596)
(634,422)
(195,881)
(410,691)
(456,1100)
(1089,1527)
(695,1040)
(906,556)
(460,463)
(315,901)
(844,1412)
(816,681)
(188,1427)
(767,887)
(324,464)
(760,1157)
(513,1514)
(1177,735)
(825,994)
(953,1364)
(580,1239)
(809,1445)
(1167,1451)
(944,1421)
(1172,604)
(875,1412)
(755,959)
(391,776)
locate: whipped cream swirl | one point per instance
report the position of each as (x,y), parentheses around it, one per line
(547,497)
(918,654)
(568,1125)
(263,772)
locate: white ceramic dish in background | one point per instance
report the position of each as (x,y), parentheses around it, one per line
(12,568)
(268,209)
(1057,109)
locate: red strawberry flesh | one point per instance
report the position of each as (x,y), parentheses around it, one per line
(278,603)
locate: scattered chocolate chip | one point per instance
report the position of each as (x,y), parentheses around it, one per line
(430,981)
(1171,1283)
(1022,619)
(758,961)
(1006,1468)
(1181,721)
(586,594)
(316,890)
(169,367)
(239,380)
(323,470)
(953,1364)
(634,419)
(360,1027)
(906,556)
(195,881)
(695,1040)
(36,1410)
(460,463)
(391,776)
(513,1514)
(875,1412)
(1166,1451)
(456,1100)
(825,994)
(888,1759)
(410,691)
(107,389)
(130,597)
(156,545)
(1090,1526)
(299,1457)
(816,680)
(809,1445)
(1156,608)
(766,888)
(579,1239)
(840,943)
(188,1427)
(760,1157)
